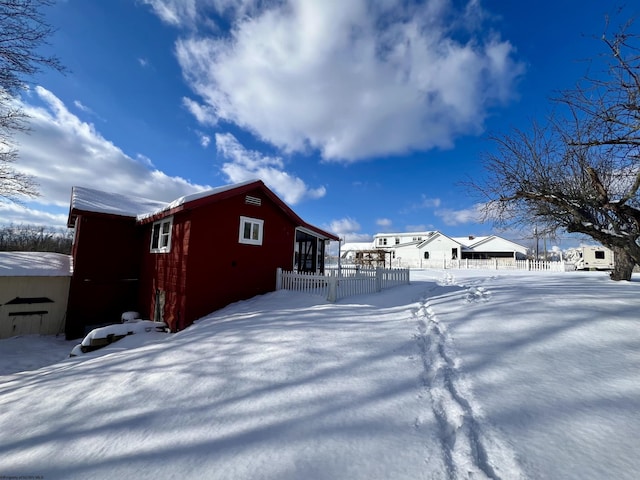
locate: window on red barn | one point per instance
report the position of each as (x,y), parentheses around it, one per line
(161,235)
(251,231)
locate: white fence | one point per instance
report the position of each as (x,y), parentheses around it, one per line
(490,264)
(346,282)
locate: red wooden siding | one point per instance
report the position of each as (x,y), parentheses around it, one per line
(205,268)
(221,269)
(166,272)
(106,265)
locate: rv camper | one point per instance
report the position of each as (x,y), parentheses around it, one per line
(591,258)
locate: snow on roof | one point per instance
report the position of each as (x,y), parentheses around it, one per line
(189,198)
(34,264)
(405,234)
(90,200)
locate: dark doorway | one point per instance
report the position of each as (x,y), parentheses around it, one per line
(309,254)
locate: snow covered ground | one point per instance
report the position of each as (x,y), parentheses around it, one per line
(460,375)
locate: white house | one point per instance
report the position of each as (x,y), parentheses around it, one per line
(417,249)
(490,246)
(413,248)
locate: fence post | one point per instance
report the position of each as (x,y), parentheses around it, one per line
(332,295)
(378,279)
(279,278)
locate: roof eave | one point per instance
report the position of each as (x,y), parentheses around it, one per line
(232,192)
(73,214)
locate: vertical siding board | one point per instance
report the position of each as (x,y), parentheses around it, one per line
(222,270)
(101,288)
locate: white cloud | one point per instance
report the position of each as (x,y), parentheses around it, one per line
(384,222)
(23,215)
(354,79)
(82,107)
(357,237)
(190,13)
(344,225)
(348,230)
(174,12)
(450,217)
(418,228)
(422,204)
(243,165)
(429,202)
(62,151)
(425,202)
(204,114)
(205,139)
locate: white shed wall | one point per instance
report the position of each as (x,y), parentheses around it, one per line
(440,248)
(49,323)
(500,245)
(406,253)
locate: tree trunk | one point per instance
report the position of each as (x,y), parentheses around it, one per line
(623,264)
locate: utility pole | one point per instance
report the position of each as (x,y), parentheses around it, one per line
(339,255)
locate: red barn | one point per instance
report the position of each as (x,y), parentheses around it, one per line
(179,261)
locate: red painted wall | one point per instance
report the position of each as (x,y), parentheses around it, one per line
(220,269)
(166,272)
(207,267)
(235,271)
(106,264)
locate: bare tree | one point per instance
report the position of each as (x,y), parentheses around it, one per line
(580,170)
(23,30)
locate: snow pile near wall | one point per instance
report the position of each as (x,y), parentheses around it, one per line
(103,336)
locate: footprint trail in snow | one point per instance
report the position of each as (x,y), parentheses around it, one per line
(468,447)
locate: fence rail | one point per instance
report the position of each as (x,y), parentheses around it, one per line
(346,282)
(490,264)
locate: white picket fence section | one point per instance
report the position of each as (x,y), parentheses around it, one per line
(489,264)
(346,282)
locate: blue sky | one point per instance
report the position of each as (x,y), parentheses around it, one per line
(364,116)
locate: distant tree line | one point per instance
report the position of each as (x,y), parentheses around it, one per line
(35,238)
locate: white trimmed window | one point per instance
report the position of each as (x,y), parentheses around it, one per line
(161,236)
(251,230)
